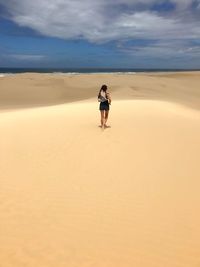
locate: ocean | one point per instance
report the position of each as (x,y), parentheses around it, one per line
(71,71)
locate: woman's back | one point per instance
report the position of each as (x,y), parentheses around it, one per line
(102,96)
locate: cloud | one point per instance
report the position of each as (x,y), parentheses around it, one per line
(161,48)
(103,21)
(23,57)
(163,32)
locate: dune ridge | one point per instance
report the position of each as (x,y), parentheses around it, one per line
(34,90)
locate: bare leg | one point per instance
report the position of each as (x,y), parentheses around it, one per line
(106,116)
(102,118)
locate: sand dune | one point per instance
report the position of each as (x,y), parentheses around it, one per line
(30,90)
(74,195)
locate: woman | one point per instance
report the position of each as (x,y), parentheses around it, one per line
(105,100)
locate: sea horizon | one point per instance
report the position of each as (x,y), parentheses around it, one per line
(88,70)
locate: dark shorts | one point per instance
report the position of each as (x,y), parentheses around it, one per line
(104,106)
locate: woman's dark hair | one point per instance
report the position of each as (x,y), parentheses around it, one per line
(103,88)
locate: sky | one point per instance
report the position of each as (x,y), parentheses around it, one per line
(100,33)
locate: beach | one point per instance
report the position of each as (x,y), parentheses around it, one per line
(72,194)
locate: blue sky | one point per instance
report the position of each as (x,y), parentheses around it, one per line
(100,33)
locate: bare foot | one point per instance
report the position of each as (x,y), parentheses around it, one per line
(102,127)
(107,126)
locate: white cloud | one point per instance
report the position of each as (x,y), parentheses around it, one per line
(101,20)
(24,57)
(163,49)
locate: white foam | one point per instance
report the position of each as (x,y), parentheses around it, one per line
(5,74)
(128,72)
(91,73)
(62,73)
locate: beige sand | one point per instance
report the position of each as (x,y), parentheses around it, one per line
(72,195)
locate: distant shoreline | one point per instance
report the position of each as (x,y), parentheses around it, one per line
(77,71)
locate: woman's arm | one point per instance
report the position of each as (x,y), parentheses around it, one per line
(109,98)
